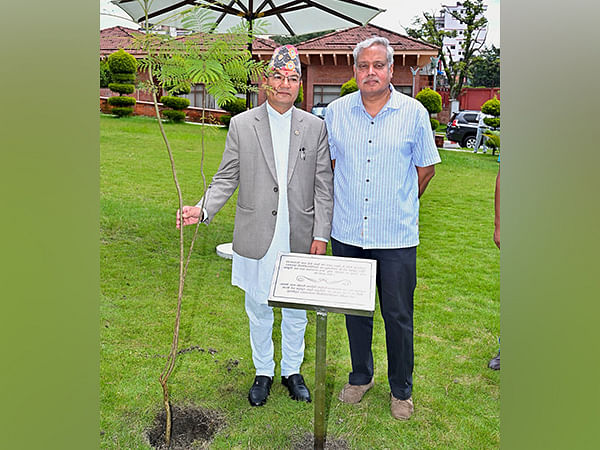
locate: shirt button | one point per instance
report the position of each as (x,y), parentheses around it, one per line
(275,189)
(367,180)
(365,217)
(370,141)
(274,213)
(366,199)
(368,160)
(372,123)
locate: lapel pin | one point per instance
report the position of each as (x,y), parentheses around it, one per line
(296,132)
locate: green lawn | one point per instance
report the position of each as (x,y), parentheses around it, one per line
(457,398)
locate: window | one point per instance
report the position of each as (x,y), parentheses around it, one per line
(195,97)
(404,89)
(325,94)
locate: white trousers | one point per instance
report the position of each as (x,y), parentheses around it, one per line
(293,325)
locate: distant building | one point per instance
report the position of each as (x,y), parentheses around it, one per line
(447,22)
(326,61)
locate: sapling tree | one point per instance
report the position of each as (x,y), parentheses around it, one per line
(223,64)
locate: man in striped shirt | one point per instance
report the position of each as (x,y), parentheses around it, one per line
(383,153)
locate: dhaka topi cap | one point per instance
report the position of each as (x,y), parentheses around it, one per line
(286,59)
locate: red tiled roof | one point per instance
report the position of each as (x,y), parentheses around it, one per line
(114,38)
(348,38)
(264,44)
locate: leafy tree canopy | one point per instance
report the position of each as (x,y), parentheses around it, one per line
(424,28)
(485,69)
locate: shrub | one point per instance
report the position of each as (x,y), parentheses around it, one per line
(105,75)
(122,111)
(122,62)
(493,140)
(235,106)
(434,123)
(175,102)
(173,115)
(431,100)
(122,88)
(127,78)
(492,122)
(300,97)
(348,87)
(225,119)
(121,101)
(491,107)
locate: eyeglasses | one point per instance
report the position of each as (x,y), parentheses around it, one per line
(363,67)
(292,79)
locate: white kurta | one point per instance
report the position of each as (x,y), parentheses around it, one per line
(254,275)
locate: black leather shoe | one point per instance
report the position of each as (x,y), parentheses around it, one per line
(494,363)
(297,387)
(260,390)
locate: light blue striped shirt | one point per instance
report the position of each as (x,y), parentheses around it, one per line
(375,183)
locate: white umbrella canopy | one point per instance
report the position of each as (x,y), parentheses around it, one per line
(287,17)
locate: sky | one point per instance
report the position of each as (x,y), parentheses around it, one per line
(398,14)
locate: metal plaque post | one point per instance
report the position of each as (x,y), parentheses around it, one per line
(323,284)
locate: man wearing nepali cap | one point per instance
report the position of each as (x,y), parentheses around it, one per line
(278,157)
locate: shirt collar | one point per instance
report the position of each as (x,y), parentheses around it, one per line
(394,102)
(273,113)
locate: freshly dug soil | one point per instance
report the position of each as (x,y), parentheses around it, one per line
(331,443)
(192,427)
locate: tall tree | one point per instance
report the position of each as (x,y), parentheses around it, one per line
(471,16)
(485,69)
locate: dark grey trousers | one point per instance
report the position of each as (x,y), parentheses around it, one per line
(396,281)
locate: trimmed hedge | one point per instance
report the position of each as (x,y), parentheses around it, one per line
(300,97)
(431,100)
(122,88)
(122,62)
(105,75)
(348,87)
(122,111)
(121,101)
(127,78)
(491,107)
(173,115)
(434,123)
(175,102)
(225,119)
(492,122)
(236,106)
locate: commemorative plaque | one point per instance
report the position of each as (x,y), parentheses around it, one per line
(323,284)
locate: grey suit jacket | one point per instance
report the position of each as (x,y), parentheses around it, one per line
(249,163)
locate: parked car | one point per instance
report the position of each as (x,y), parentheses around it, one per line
(462,127)
(319,110)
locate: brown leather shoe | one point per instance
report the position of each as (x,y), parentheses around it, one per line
(354,393)
(401,409)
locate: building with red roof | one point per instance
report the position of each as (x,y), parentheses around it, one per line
(327,61)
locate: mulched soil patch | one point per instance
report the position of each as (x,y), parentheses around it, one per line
(331,443)
(193,427)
